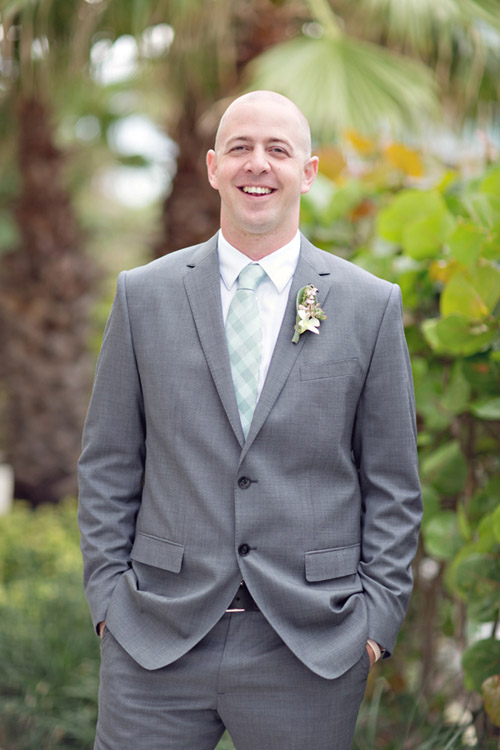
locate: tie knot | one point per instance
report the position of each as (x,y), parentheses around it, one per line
(251,276)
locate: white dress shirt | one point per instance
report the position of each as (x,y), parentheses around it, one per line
(272,293)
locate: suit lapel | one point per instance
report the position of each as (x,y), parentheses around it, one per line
(202,284)
(311,269)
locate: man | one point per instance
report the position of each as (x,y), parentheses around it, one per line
(249,504)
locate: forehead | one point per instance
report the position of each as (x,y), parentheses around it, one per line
(263,120)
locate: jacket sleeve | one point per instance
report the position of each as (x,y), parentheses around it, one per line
(385,451)
(111,467)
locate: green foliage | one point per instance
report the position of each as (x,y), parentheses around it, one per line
(442,245)
(365,83)
(49,654)
(491,695)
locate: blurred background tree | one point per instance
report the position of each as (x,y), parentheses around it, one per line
(46,276)
(107,108)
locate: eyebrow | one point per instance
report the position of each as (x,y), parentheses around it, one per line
(249,139)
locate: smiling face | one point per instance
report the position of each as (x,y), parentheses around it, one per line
(260,166)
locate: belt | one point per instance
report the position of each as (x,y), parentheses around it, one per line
(243,601)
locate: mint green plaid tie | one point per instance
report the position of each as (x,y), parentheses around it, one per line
(243,331)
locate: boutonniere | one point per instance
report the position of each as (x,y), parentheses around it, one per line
(309,313)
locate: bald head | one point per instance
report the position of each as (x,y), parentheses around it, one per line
(279,103)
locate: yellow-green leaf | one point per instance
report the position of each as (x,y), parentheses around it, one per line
(459,296)
(466,243)
(408,208)
(472,294)
(487,408)
(491,696)
(457,335)
(423,237)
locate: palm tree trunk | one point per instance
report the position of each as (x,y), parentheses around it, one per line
(45,295)
(191,211)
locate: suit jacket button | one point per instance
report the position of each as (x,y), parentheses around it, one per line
(244,483)
(243,550)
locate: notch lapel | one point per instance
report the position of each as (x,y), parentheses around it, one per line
(202,284)
(311,269)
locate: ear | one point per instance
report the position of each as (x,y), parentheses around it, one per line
(212,168)
(310,172)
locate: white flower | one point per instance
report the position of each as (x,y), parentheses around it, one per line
(306,323)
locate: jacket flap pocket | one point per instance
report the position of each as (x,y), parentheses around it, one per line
(160,553)
(323,564)
(329,369)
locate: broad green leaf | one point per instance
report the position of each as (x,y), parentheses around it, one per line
(442,536)
(484,209)
(457,392)
(487,538)
(496,523)
(480,661)
(483,373)
(423,237)
(431,333)
(409,282)
(379,265)
(478,570)
(472,294)
(457,335)
(466,243)
(460,296)
(486,280)
(446,468)
(428,396)
(482,606)
(424,439)
(485,501)
(431,503)
(476,579)
(491,182)
(486,409)
(491,245)
(491,696)
(463,522)
(408,207)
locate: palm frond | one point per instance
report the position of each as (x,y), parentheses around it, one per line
(417,25)
(344,83)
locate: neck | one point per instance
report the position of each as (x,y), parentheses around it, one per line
(257,246)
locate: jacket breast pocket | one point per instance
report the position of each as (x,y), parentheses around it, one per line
(157,552)
(327,564)
(335,369)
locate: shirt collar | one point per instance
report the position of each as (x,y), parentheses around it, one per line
(279,266)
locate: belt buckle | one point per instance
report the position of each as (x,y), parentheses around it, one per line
(237,609)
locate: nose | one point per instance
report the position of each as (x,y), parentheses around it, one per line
(257,161)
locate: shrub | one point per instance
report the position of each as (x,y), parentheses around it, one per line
(438,236)
(49,655)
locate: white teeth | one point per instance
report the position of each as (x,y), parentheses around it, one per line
(257,190)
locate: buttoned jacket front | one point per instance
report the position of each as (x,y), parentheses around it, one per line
(318,510)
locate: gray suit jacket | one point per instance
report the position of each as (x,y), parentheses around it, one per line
(331,513)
